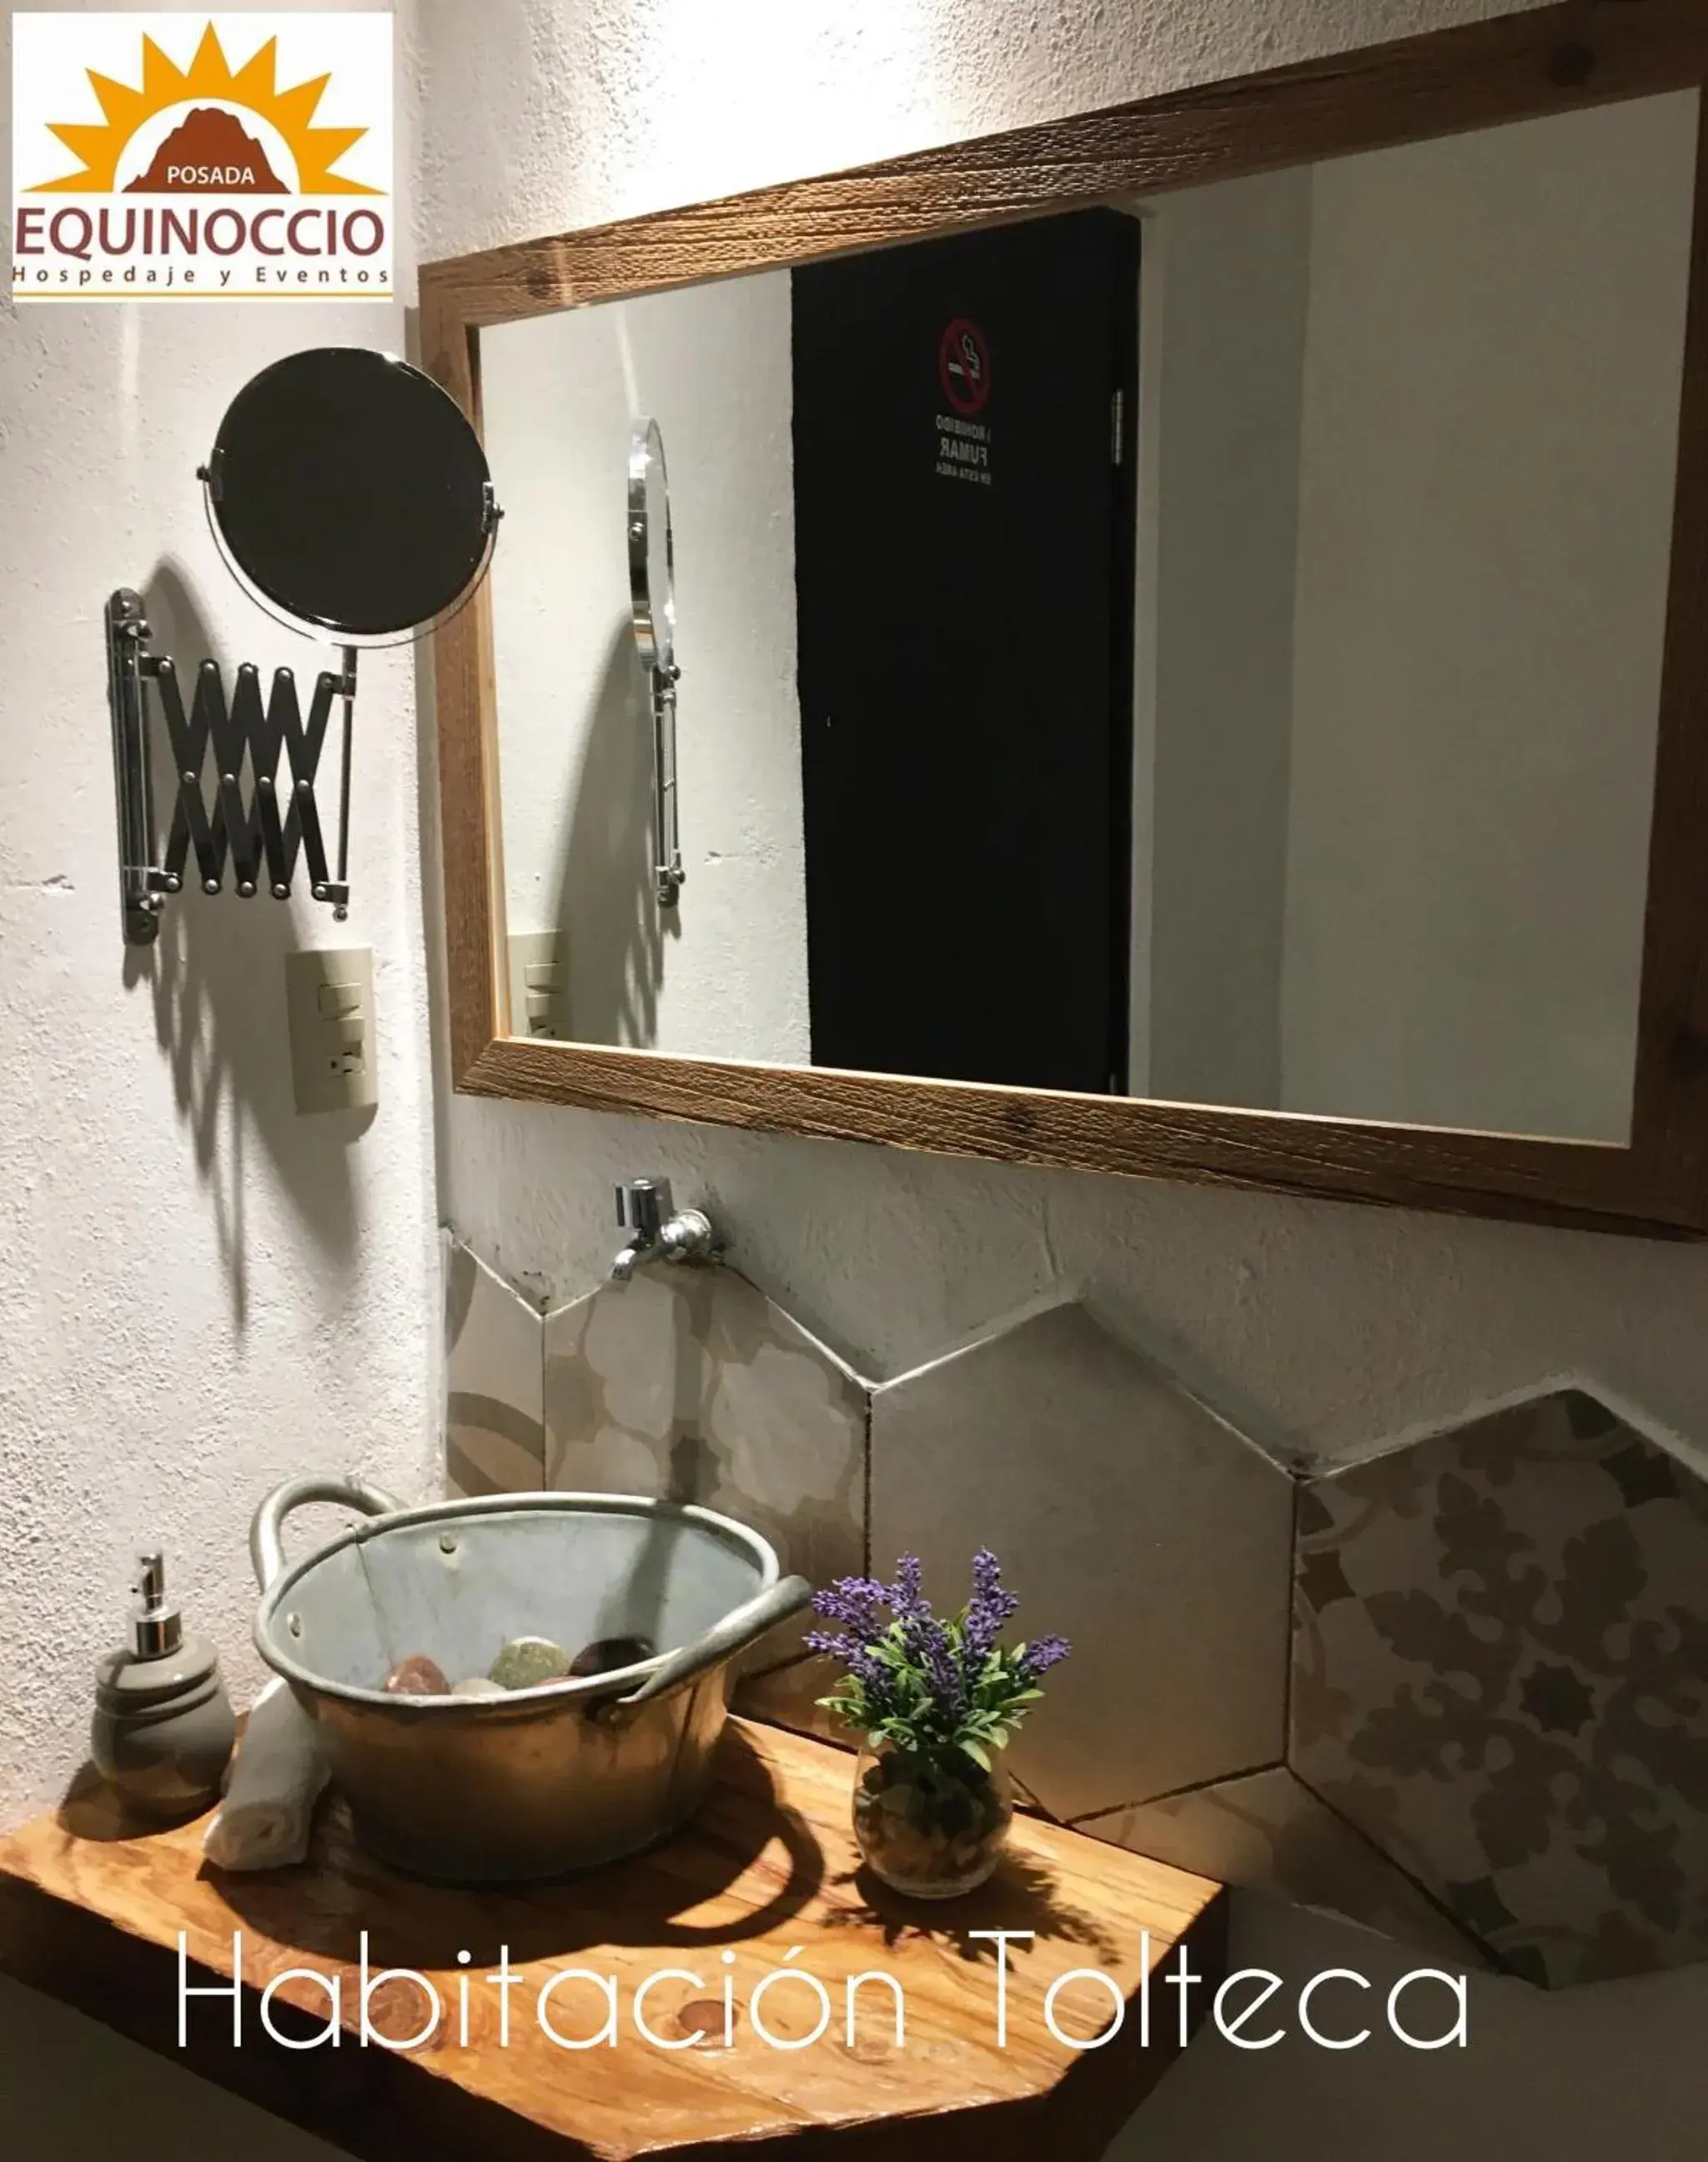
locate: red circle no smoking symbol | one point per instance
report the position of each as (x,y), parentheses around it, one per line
(964,366)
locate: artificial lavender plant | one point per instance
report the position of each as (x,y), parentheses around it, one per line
(924,1684)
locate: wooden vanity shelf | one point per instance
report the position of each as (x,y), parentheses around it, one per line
(90,1910)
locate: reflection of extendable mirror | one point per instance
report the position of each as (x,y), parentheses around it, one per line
(350,498)
(652,594)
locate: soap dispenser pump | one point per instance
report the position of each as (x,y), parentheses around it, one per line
(162,1730)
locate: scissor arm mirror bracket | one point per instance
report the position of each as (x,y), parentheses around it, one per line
(259,814)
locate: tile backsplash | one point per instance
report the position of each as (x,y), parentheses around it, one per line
(495,1425)
(690,1384)
(1457,1692)
(1128,1519)
(1500,1677)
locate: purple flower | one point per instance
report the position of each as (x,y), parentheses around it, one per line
(988,1611)
(924,1639)
(923,1680)
(1044,1653)
(858,1658)
(943,1670)
(858,1603)
(907,1596)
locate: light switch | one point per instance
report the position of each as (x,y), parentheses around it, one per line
(329,997)
(539,990)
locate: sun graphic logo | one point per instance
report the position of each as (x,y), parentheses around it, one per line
(210,157)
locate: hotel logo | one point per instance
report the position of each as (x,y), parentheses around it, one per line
(202,157)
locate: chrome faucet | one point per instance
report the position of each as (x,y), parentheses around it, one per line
(658,1230)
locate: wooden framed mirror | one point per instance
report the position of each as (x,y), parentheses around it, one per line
(1188,646)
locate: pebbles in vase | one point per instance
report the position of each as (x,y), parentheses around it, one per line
(933,1827)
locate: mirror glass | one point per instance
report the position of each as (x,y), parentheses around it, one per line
(652,554)
(351,492)
(1205,648)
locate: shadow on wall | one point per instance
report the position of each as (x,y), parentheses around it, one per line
(216,974)
(609,926)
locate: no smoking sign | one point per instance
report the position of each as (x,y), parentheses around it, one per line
(964,366)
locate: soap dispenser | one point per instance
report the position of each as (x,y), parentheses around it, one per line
(162,1731)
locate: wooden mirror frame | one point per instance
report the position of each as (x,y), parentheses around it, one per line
(1548,60)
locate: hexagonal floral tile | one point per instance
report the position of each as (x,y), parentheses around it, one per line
(494,1435)
(1500,1677)
(690,1383)
(1128,1518)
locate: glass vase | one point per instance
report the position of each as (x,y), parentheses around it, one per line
(930,1824)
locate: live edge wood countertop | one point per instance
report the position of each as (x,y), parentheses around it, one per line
(765,1882)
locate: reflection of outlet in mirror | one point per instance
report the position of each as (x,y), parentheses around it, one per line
(539,1001)
(329,996)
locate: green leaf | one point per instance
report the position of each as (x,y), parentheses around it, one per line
(976,1751)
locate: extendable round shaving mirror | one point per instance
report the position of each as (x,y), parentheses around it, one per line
(651,548)
(652,596)
(349,496)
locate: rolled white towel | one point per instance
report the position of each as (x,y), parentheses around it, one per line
(263,1821)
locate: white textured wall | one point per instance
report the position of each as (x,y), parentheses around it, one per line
(1490,446)
(1329,1326)
(199,1293)
(724,975)
(1222,326)
(1441,384)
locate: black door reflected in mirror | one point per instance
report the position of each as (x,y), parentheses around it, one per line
(351,492)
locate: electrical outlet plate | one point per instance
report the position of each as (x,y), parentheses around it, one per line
(539,995)
(329,996)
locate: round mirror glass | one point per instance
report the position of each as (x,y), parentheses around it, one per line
(651,553)
(351,492)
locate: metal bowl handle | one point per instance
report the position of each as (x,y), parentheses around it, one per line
(266,1544)
(738,1629)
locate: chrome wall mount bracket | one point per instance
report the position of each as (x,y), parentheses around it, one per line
(142,884)
(254,818)
(668,870)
